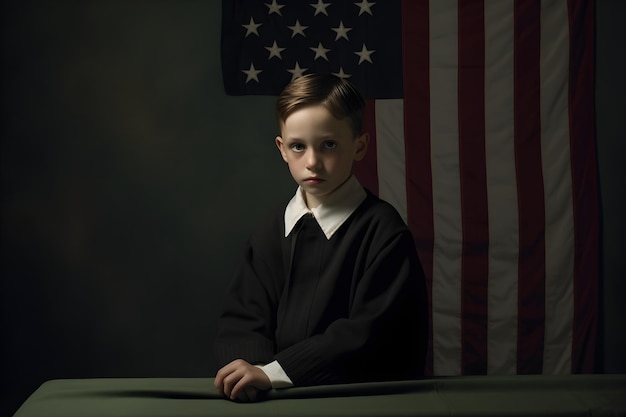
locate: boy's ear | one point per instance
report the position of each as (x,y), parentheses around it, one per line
(361,146)
(281,147)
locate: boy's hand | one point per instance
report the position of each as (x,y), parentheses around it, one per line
(241,381)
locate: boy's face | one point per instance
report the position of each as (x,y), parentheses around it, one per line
(319,150)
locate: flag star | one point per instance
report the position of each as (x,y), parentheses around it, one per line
(365,55)
(365,7)
(252,27)
(275,7)
(320,7)
(320,51)
(297,72)
(274,51)
(252,73)
(342,31)
(341,74)
(297,29)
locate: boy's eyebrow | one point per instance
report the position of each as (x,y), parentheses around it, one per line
(321,137)
(292,138)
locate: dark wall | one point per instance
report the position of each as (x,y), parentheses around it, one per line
(129,182)
(611,147)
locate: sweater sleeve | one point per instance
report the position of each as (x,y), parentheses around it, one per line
(384,335)
(247,323)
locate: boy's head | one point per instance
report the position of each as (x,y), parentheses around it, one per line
(320,119)
(337,95)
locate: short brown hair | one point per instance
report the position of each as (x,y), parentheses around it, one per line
(339,96)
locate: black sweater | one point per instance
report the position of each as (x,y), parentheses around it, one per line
(349,309)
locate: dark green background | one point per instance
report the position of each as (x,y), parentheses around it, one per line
(130,181)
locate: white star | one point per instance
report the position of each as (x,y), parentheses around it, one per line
(365,7)
(297,71)
(275,7)
(274,51)
(297,29)
(320,7)
(365,55)
(252,27)
(342,32)
(252,73)
(320,51)
(341,74)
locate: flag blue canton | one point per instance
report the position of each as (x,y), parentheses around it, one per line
(266,44)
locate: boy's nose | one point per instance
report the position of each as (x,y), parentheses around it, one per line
(313,160)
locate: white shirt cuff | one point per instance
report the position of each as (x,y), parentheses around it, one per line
(277,376)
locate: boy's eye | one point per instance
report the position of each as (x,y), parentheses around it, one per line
(330,144)
(297,147)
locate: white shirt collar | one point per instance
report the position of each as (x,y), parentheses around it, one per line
(332,213)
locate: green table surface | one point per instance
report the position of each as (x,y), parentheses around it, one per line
(574,395)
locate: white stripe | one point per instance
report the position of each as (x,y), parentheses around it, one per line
(557,176)
(446,287)
(501,188)
(390,153)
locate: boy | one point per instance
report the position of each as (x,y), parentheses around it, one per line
(330,289)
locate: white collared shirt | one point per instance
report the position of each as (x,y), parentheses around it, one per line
(332,213)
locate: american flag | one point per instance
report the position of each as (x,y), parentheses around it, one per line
(481,115)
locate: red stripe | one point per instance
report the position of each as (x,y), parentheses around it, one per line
(473,177)
(416,63)
(531,272)
(585,191)
(366,170)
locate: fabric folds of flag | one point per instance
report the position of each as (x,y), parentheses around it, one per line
(481,116)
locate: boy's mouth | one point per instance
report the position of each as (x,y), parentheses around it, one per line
(313,180)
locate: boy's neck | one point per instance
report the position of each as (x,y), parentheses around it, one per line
(312,203)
